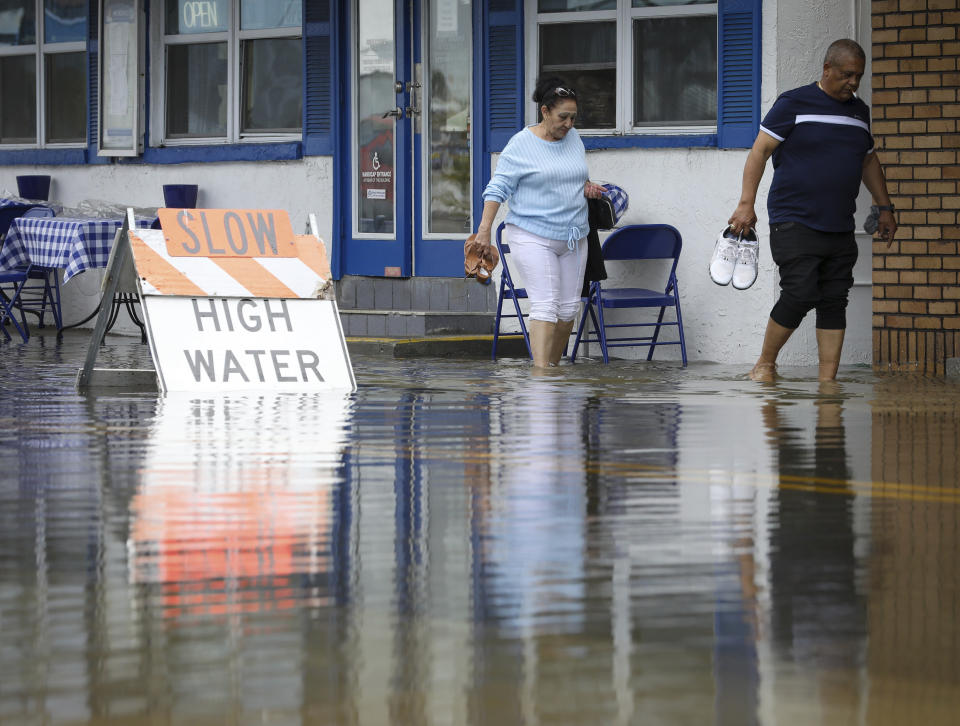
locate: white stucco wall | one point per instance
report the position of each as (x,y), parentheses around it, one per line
(299,187)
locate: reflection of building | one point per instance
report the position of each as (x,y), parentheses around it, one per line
(376,57)
(64,20)
(913,660)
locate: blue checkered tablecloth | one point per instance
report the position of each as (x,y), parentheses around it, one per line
(72,244)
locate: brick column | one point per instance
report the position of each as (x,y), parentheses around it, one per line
(916,74)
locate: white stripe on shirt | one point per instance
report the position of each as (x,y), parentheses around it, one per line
(838,120)
(768,132)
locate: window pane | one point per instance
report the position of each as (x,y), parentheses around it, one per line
(64,21)
(668,3)
(66,97)
(374,134)
(675,71)
(584,55)
(447,119)
(197,90)
(18,80)
(259,14)
(197,16)
(563,6)
(272,73)
(18,22)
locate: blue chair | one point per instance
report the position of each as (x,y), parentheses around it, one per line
(17,278)
(33,299)
(508,290)
(635,242)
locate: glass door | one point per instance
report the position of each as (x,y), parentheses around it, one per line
(407,207)
(442,137)
(375,208)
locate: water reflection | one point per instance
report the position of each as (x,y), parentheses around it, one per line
(818,612)
(236,498)
(914,633)
(635,545)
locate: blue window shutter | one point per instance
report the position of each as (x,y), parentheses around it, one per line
(93,83)
(318,86)
(739,73)
(503,100)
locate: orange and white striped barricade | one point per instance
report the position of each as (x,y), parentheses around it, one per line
(233,300)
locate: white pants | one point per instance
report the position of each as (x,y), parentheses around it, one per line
(550,271)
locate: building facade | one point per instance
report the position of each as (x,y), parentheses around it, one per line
(385,117)
(916,71)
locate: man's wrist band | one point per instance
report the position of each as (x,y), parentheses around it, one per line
(885,208)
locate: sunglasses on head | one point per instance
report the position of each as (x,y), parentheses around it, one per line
(564,92)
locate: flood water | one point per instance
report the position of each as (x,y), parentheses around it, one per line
(460,543)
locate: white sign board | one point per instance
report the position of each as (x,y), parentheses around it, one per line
(247,344)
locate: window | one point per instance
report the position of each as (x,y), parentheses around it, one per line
(639,66)
(43,73)
(232,70)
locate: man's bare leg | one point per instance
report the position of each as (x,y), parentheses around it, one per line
(765,369)
(829,345)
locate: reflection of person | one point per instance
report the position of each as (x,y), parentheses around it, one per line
(819,136)
(817,612)
(543,172)
(534,534)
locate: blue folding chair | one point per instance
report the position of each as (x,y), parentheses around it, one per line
(33,299)
(635,242)
(11,302)
(508,290)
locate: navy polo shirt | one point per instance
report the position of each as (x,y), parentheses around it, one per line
(818,165)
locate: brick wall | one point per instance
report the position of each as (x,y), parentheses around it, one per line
(916,107)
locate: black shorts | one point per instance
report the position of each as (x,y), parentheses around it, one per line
(816,272)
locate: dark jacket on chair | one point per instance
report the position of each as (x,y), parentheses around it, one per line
(595,269)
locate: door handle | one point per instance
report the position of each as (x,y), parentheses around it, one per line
(397,113)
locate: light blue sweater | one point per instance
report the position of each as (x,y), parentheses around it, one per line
(543,181)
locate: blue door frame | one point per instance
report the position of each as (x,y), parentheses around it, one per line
(406,253)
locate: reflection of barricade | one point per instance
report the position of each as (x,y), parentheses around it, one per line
(236,501)
(228,552)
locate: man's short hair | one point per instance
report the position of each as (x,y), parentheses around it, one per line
(841,49)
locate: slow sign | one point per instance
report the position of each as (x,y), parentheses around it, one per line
(227,233)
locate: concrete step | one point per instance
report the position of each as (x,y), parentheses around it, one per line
(414,323)
(433,294)
(439,346)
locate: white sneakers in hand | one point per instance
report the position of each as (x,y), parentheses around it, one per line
(724,258)
(735,259)
(745,271)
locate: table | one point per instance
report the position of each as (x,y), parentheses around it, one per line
(73,245)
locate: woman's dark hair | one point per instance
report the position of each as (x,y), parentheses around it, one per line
(551,90)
